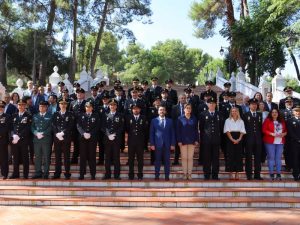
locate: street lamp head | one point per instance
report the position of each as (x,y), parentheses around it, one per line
(49,40)
(221,51)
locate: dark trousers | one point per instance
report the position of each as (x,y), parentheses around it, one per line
(253,148)
(20,152)
(136,148)
(88,153)
(296,158)
(59,148)
(101,146)
(162,153)
(112,151)
(211,159)
(288,154)
(177,153)
(76,144)
(4,159)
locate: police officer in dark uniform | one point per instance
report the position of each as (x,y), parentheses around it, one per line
(227,87)
(287,113)
(133,101)
(65,97)
(155,89)
(289,93)
(208,89)
(194,101)
(62,126)
(77,107)
(120,99)
(166,102)
(224,102)
(5,127)
(101,90)
(146,93)
(136,127)
(204,105)
(103,110)
(88,125)
(117,84)
(135,84)
(293,128)
(253,140)
(94,99)
(112,127)
(20,137)
(210,124)
(172,94)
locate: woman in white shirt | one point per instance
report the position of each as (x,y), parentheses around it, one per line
(234,128)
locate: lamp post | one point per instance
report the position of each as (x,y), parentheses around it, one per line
(81,50)
(227,52)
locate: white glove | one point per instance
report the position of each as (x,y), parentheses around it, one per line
(62,133)
(86,135)
(39,135)
(16,138)
(111,137)
(59,136)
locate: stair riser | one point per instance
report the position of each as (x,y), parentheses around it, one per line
(147,194)
(153,204)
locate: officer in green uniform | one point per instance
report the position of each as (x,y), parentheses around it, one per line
(42,141)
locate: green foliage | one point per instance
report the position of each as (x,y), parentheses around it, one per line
(211,67)
(294,83)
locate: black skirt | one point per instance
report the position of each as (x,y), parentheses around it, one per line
(234,158)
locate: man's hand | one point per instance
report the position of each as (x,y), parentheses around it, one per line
(152,147)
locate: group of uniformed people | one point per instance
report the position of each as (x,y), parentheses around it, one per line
(48,119)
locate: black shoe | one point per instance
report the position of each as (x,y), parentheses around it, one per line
(206,177)
(67,176)
(272,176)
(278,177)
(4,178)
(14,177)
(167,179)
(101,163)
(131,178)
(25,177)
(140,178)
(37,177)
(81,177)
(215,178)
(74,161)
(45,177)
(93,178)
(117,178)
(258,178)
(175,163)
(156,178)
(106,178)
(249,177)
(296,179)
(56,176)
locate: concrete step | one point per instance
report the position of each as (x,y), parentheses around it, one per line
(173,174)
(171,202)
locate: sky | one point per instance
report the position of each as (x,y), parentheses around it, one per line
(170,21)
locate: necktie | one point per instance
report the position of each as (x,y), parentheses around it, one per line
(136,118)
(181,110)
(162,124)
(212,114)
(254,114)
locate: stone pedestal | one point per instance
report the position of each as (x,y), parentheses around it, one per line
(278,84)
(54,79)
(232,80)
(85,80)
(19,88)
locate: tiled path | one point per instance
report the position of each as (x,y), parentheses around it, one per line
(144,216)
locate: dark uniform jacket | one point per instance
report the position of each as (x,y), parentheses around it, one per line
(286,113)
(253,126)
(130,102)
(210,127)
(173,97)
(166,103)
(21,126)
(88,124)
(113,124)
(137,130)
(5,127)
(211,92)
(293,129)
(63,123)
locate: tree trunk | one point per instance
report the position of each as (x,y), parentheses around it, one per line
(74,61)
(3,78)
(99,37)
(230,13)
(244,9)
(295,64)
(42,78)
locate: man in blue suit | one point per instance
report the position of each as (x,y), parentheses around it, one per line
(162,141)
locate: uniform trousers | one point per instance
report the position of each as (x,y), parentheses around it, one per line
(296,158)
(59,148)
(20,152)
(253,148)
(42,152)
(136,148)
(4,159)
(88,153)
(211,158)
(112,151)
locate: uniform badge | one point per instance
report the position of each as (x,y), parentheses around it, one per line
(57,118)
(218,117)
(117,119)
(227,109)
(141,122)
(15,119)
(206,117)
(24,120)
(249,118)
(67,119)
(82,117)
(93,120)
(2,120)
(294,123)
(130,121)
(152,111)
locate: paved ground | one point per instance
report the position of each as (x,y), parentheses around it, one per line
(122,216)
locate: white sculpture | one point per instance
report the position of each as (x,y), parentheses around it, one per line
(68,84)
(240,75)
(54,78)
(85,80)
(100,76)
(219,73)
(264,85)
(278,84)
(232,80)
(19,88)
(2,91)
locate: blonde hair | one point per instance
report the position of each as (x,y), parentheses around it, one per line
(238,113)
